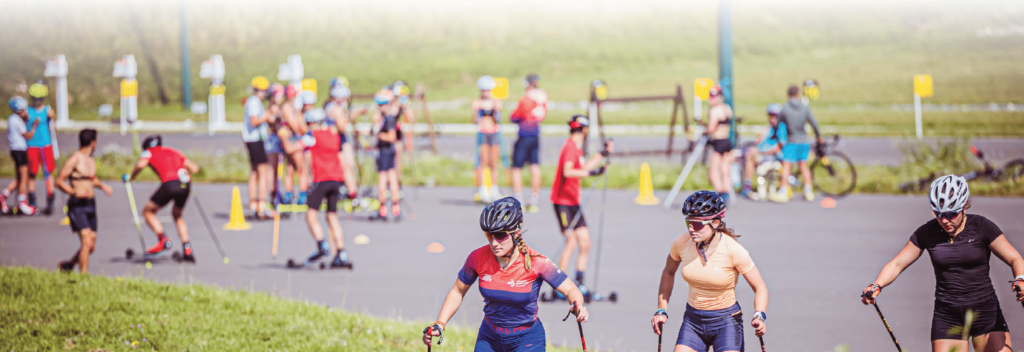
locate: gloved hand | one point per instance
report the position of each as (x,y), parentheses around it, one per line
(124,177)
(598,171)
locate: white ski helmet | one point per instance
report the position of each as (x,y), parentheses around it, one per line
(486,83)
(315,115)
(949,194)
(340,92)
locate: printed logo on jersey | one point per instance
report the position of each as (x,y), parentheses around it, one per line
(522,283)
(486,278)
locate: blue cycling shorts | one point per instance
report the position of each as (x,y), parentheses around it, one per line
(722,328)
(493,338)
(794,152)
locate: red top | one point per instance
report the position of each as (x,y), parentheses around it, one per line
(510,294)
(166,162)
(566,190)
(325,163)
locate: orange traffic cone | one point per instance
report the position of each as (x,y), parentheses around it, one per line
(236,221)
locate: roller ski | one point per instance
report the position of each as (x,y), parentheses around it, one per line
(312,260)
(151,252)
(553,296)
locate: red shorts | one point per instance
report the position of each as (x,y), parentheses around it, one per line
(40,154)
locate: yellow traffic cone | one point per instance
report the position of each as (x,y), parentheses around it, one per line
(66,220)
(236,221)
(646,196)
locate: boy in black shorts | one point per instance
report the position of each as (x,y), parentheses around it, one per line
(78,179)
(386,117)
(175,172)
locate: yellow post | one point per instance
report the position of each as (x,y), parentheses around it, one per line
(236,221)
(646,196)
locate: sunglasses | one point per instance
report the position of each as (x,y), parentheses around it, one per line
(697,225)
(500,236)
(948,215)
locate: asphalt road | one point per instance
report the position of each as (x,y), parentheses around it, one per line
(863,150)
(814,260)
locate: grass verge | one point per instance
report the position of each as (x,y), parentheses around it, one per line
(42,310)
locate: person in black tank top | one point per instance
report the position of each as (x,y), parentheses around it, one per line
(960,246)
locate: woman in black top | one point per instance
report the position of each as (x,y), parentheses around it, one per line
(959,245)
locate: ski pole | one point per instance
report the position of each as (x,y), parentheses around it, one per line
(600,226)
(578,324)
(1016,289)
(199,207)
(886,323)
(661,329)
(135,213)
(761,339)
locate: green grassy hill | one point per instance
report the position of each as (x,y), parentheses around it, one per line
(860,52)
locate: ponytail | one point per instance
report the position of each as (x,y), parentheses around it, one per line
(730,232)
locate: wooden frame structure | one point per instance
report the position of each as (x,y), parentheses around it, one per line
(679,103)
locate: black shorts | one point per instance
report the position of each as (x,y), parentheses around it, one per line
(257,153)
(172,190)
(398,133)
(385,159)
(20,158)
(527,149)
(325,190)
(987,318)
(721,146)
(82,213)
(565,215)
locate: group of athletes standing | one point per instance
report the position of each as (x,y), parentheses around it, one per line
(708,254)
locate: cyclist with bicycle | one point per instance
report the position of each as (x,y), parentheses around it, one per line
(960,246)
(796,115)
(770,143)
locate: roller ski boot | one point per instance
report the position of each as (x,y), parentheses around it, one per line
(186,256)
(66,266)
(341,261)
(162,245)
(381,214)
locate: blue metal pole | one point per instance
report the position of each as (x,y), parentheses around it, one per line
(186,77)
(725,61)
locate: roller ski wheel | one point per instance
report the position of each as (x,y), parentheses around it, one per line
(129,254)
(611,297)
(292,264)
(178,257)
(343,265)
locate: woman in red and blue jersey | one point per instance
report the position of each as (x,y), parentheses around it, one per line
(510,274)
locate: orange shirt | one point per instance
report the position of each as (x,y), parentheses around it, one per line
(712,283)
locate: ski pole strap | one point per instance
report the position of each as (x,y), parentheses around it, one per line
(874,287)
(440,331)
(1013,283)
(662,312)
(571,308)
(760,315)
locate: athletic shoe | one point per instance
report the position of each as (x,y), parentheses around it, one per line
(749,193)
(341,260)
(302,198)
(186,255)
(26,209)
(396,209)
(3,201)
(286,198)
(808,194)
(66,266)
(779,197)
(48,211)
(160,246)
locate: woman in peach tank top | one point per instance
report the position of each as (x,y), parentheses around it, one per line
(711,261)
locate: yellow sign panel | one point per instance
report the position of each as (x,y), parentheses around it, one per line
(500,90)
(702,87)
(812,92)
(309,84)
(218,89)
(129,88)
(923,86)
(600,89)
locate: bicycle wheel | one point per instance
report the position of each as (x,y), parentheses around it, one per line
(834,174)
(1012,171)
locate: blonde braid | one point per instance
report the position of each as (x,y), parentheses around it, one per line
(525,251)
